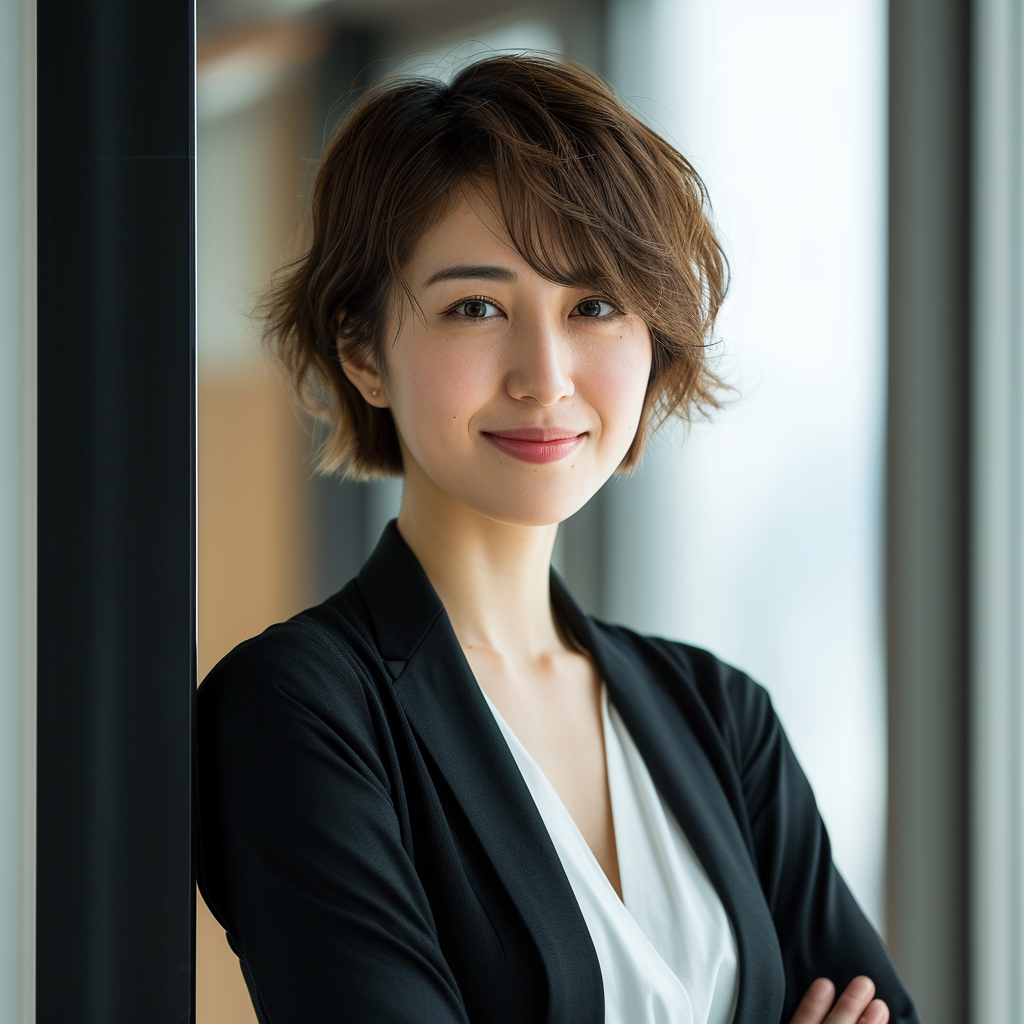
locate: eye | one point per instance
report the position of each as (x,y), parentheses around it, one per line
(595,308)
(475,309)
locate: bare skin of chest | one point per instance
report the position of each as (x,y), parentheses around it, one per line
(553,705)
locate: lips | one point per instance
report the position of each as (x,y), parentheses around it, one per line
(536,444)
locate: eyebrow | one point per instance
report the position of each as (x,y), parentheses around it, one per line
(480,273)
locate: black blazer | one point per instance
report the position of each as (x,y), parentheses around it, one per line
(371,849)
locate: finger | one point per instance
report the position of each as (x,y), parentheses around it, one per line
(876,1013)
(853,1002)
(816,1003)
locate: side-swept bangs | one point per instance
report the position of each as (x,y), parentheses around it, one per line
(589,195)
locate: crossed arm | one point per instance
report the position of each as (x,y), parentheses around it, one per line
(827,943)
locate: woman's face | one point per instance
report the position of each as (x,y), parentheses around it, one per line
(515,396)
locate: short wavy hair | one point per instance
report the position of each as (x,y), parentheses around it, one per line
(591,197)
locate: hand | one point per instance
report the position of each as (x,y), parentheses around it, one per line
(854,1006)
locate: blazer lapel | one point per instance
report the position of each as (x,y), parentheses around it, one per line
(686,779)
(444,705)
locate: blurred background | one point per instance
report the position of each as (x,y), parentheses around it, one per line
(758,535)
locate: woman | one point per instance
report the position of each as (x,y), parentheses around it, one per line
(447,794)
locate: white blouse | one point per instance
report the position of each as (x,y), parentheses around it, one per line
(667,950)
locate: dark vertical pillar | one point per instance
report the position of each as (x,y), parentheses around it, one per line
(116,610)
(927,504)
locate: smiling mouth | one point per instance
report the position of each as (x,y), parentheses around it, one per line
(536,444)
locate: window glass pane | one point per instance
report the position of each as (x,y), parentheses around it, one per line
(765,542)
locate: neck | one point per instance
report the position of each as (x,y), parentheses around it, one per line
(493,578)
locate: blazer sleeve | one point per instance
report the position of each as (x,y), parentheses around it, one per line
(301,852)
(822,930)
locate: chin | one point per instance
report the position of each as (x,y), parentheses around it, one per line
(519,505)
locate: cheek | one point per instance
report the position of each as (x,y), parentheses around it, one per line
(617,384)
(435,390)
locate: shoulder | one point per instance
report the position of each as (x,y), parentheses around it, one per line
(712,693)
(317,670)
(293,735)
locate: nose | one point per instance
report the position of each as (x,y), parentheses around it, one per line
(539,358)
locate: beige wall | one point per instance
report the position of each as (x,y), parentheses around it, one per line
(251,510)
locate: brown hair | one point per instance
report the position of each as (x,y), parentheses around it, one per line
(590,197)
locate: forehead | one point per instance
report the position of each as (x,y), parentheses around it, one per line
(470,231)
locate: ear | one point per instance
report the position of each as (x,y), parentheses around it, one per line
(363,376)
(368,381)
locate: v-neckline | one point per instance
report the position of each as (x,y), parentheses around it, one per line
(565,828)
(516,744)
